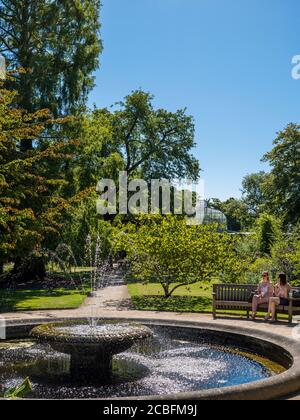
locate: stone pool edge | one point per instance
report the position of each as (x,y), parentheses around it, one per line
(276,387)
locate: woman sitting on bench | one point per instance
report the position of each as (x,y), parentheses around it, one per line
(282,291)
(264,292)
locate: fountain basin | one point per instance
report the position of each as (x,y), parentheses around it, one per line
(50,376)
(91,348)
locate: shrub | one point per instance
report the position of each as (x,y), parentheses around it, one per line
(175,254)
(269,231)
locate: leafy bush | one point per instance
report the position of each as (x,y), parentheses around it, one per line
(283,256)
(286,254)
(253,275)
(269,231)
(169,251)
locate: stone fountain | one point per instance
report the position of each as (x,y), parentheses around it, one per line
(91,347)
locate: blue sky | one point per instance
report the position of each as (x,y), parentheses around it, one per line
(227,61)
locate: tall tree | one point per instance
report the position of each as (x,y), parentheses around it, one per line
(283,185)
(154,143)
(268,231)
(236,212)
(97,156)
(254,193)
(57,42)
(32,204)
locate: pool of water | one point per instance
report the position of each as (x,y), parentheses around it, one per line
(161,365)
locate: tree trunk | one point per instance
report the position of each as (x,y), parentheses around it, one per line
(166,290)
(32,268)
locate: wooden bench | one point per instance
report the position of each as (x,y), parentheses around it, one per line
(235,297)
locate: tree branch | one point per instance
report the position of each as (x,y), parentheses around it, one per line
(7,46)
(5,16)
(9,33)
(142,160)
(127,140)
(190,283)
(146,157)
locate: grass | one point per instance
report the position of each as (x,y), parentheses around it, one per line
(39,298)
(33,300)
(195,298)
(150,297)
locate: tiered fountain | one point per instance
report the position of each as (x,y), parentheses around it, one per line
(92,344)
(91,348)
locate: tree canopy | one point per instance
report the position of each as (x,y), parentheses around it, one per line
(283,184)
(58,44)
(167,250)
(32,203)
(254,194)
(269,230)
(154,143)
(236,212)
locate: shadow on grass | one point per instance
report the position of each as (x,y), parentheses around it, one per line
(15,300)
(55,280)
(173,304)
(191,304)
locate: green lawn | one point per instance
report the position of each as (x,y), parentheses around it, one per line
(30,300)
(196,298)
(149,297)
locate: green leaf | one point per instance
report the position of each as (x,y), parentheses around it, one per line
(19,391)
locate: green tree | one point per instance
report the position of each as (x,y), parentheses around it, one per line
(283,185)
(97,156)
(167,250)
(154,143)
(254,193)
(58,44)
(236,212)
(32,204)
(81,223)
(286,254)
(269,231)
(295,239)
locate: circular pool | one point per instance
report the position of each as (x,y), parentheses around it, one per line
(180,361)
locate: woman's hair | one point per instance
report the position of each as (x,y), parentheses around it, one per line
(283,279)
(266,274)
